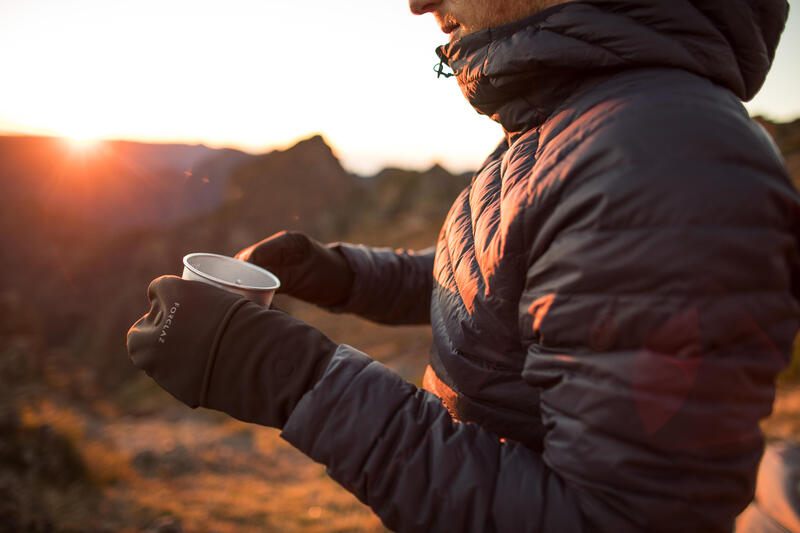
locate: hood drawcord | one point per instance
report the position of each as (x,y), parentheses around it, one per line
(439,70)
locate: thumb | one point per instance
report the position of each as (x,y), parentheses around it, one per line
(246,254)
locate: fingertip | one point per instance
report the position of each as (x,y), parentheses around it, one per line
(160,289)
(156,283)
(166,281)
(243,254)
(152,291)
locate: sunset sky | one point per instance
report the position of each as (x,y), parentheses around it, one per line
(259,75)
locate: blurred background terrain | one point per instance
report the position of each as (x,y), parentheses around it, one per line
(87,442)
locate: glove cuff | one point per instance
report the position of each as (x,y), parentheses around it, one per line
(265,361)
(214,350)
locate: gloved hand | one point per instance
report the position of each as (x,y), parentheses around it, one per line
(308,270)
(212,348)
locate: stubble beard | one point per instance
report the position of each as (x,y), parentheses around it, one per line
(513,10)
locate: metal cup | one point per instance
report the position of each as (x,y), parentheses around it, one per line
(247,279)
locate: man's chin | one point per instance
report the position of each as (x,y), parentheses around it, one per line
(456,34)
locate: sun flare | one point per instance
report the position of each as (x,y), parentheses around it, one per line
(81,140)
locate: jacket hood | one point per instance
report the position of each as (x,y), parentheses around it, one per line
(518,73)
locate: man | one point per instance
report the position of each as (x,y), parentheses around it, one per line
(611,297)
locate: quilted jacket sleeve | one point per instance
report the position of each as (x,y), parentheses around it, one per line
(390,286)
(397,449)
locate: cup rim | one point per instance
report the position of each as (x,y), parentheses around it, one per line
(251,266)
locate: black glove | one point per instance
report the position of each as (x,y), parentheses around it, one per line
(212,348)
(307,269)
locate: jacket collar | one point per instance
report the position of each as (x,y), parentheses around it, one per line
(519,73)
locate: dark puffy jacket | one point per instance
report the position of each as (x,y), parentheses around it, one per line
(612,296)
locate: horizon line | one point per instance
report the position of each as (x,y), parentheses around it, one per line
(386,165)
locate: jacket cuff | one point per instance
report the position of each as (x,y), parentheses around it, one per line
(313,412)
(365,280)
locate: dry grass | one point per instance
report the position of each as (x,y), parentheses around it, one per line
(198,470)
(207,472)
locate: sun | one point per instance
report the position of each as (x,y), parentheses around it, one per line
(81,139)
